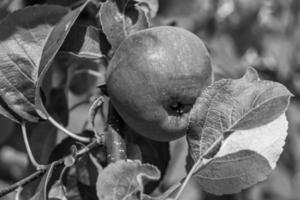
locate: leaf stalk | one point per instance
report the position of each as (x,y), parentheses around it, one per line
(28,148)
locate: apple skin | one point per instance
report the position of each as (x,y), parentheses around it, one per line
(154,78)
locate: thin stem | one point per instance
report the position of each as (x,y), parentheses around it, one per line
(61,176)
(28,148)
(186,180)
(69,133)
(170,191)
(200,164)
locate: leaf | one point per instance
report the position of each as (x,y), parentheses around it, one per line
(29,40)
(245,158)
(124,180)
(117,25)
(266,140)
(230,105)
(232,173)
(57,191)
(83,42)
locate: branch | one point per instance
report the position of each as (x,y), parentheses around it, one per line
(41,172)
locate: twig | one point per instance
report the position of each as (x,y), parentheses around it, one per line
(22,182)
(41,172)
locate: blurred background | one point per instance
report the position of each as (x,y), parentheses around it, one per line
(264,34)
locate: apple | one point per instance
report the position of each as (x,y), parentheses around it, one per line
(154,78)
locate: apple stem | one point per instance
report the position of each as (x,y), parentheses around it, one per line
(69,133)
(28,148)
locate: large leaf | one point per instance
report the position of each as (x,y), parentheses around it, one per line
(118,24)
(245,158)
(237,132)
(230,105)
(124,180)
(29,40)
